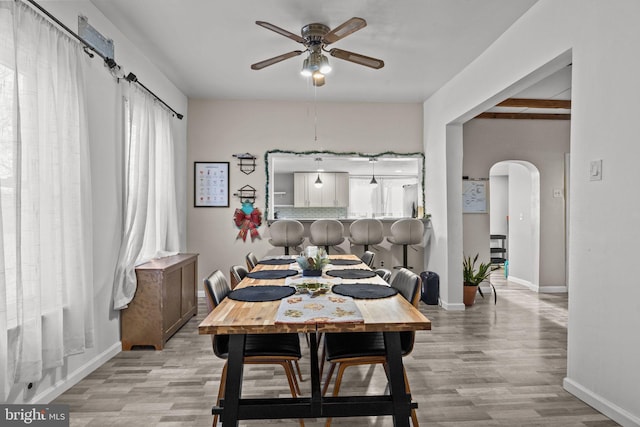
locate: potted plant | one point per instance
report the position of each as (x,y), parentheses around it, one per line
(473,276)
(313,261)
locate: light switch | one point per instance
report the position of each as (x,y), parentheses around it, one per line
(595,170)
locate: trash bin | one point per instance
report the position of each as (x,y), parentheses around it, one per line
(430,287)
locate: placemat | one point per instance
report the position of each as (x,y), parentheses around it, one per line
(277,261)
(364,290)
(320,309)
(272,274)
(352,273)
(345,262)
(261,293)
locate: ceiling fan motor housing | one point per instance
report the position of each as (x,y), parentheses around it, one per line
(313,33)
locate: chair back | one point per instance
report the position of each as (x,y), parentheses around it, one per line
(384,273)
(286,233)
(251,260)
(236,274)
(326,232)
(366,231)
(368,258)
(406,231)
(216,288)
(407,283)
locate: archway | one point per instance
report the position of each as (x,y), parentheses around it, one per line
(515,213)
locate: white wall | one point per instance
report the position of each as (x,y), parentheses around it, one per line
(499,204)
(521,248)
(543,143)
(104,104)
(604,307)
(218,129)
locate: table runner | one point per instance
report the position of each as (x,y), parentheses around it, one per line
(364,290)
(328,308)
(261,293)
(272,274)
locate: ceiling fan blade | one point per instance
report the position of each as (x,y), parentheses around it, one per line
(343,30)
(357,58)
(282,32)
(262,64)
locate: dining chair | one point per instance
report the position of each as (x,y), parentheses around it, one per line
(384,273)
(236,274)
(368,258)
(251,260)
(272,349)
(367,348)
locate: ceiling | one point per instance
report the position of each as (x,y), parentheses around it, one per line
(206,47)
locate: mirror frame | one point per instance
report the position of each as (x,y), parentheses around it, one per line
(345,154)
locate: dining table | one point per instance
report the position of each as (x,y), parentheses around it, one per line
(236,318)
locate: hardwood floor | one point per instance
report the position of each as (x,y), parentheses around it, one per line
(491,365)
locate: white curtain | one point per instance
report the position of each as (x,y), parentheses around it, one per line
(46,275)
(151,215)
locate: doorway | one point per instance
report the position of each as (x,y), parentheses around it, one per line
(515,213)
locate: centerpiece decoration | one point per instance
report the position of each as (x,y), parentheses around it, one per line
(312,261)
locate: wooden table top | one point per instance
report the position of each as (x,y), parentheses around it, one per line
(237,317)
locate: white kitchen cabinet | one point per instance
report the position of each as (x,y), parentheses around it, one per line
(333,193)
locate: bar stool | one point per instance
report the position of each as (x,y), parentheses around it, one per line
(366,231)
(286,233)
(326,232)
(405,232)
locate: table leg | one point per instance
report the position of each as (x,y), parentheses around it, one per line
(233,387)
(316,396)
(401,402)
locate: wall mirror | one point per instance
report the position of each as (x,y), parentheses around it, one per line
(360,185)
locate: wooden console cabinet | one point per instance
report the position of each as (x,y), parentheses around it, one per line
(165,299)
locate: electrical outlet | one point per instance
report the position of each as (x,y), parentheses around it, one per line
(557,192)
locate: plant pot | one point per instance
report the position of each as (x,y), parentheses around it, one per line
(311,273)
(469,295)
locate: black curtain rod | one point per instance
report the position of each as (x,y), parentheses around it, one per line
(111,63)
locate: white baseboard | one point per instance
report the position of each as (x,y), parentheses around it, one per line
(50,393)
(523,282)
(452,307)
(537,288)
(601,404)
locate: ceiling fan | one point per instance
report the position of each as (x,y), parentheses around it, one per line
(315,37)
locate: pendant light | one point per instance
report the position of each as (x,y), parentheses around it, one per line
(318,183)
(373,181)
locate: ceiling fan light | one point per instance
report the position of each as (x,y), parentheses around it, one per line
(325,67)
(318,78)
(306,71)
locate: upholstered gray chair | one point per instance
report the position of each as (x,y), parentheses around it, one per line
(251,260)
(277,349)
(406,232)
(384,273)
(326,232)
(368,258)
(366,231)
(236,274)
(286,233)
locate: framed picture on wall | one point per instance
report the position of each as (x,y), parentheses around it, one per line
(211,181)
